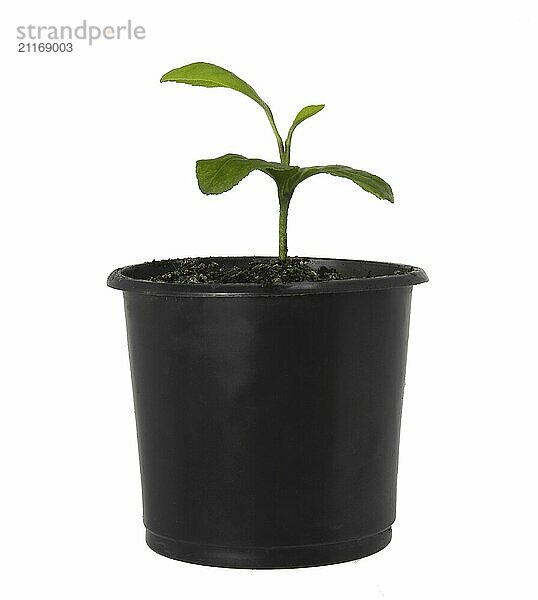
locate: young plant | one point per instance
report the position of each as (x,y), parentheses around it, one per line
(218,175)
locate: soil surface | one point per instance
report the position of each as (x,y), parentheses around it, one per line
(267,273)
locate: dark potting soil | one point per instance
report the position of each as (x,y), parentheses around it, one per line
(263,272)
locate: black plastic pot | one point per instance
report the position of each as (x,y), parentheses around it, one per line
(268,418)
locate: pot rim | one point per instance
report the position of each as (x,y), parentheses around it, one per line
(405,276)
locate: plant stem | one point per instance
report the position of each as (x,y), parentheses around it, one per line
(275,131)
(287,148)
(283,196)
(283,227)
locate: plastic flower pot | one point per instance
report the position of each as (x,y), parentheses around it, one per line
(268,418)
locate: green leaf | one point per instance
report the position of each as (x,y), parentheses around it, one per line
(368,182)
(218,175)
(209,75)
(305,113)
(302,115)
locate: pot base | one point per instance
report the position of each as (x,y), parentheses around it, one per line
(283,557)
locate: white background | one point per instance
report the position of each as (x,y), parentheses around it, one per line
(440,99)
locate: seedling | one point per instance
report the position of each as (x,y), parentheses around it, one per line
(218,175)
